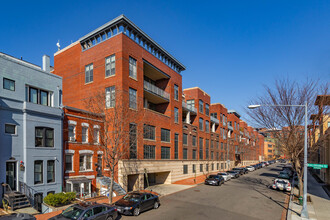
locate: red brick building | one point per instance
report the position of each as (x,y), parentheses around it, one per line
(183,134)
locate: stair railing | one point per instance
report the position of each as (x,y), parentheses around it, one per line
(28,191)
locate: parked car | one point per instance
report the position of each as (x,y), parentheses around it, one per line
(226,176)
(134,203)
(284,175)
(241,170)
(18,216)
(282,184)
(216,180)
(250,168)
(263,164)
(233,174)
(88,211)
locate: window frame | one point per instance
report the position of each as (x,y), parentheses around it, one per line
(110,64)
(40,162)
(149,132)
(185,169)
(53,172)
(149,152)
(65,162)
(11,81)
(176,92)
(165,137)
(85,162)
(89,74)
(184,139)
(201,124)
(165,153)
(201,106)
(132,67)
(207,109)
(176,115)
(132,98)
(110,97)
(15,128)
(44,138)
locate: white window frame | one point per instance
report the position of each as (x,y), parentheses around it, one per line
(96,137)
(72,158)
(110,62)
(88,73)
(10,133)
(74,124)
(84,125)
(85,162)
(132,68)
(110,97)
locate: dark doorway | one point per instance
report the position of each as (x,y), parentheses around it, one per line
(11,175)
(38,197)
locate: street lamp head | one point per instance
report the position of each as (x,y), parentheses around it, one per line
(253,106)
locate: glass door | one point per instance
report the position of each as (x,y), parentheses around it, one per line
(11,175)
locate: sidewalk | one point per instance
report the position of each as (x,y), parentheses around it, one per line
(318,208)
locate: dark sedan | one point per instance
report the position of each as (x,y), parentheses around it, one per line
(241,170)
(215,180)
(234,174)
(87,211)
(135,202)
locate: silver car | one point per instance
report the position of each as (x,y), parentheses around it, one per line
(225,175)
(250,168)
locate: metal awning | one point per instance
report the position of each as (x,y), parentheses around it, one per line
(79,180)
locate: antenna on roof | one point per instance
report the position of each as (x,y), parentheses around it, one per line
(58,45)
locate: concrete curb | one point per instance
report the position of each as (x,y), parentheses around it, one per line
(289,213)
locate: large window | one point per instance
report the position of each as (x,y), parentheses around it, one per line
(149,151)
(200,167)
(217,145)
(84,134)
(176,92)
(201,106)
(9,84)
(10,129)
(207,109)
(212,144)
(215,115)
(201,123)
(212,155)
(193,140)
(194,168)
(110,65)
(207,148)
(72,132)
(165,135)
(44,137)
(201,148)
(50,171)
(190,103)
(132,98)
(132,141)
(207,126)
(110,97)
(89,73)
(132,67)
(165,153)
(85,162)
(194,154)
(185,139)
(176,146)
(38,171)
(38,96)
(68,162)
(96,135)
(185,153)
(149,132)
(185,169)
(176,115)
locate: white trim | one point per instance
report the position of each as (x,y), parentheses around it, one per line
(72,177)
(86,152)
(84,124)
(99,152)
(97,126)
(71,122)
(69,151)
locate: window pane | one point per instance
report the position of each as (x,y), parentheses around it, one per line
(10,129)
(33,95)
(8,84)
(43,98)
(68,162)
(132,98)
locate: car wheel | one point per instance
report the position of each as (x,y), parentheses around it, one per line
(156,205)
(110,218)
(136,212)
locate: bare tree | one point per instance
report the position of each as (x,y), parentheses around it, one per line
(118,135)
(286,122)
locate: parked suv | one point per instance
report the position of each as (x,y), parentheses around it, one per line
(216,180)
(87,211)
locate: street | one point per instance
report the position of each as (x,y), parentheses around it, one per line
(247,197)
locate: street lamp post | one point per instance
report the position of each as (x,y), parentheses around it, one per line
(304,211)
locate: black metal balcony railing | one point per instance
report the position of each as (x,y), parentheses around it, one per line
(155,90)
(189,107)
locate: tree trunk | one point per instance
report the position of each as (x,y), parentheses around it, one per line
(111,188)
(300,174)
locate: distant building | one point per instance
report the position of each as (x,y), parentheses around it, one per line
(30,128)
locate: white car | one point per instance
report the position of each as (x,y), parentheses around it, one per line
(226,176)
(250,168)
(282,184)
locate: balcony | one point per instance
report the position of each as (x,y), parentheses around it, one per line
(230,127)
(214,120)
(190,108)
(154,94)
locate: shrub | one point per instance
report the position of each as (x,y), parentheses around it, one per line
(59,199)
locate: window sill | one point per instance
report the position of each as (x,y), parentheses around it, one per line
(71,171)
(85,171)
(133,109)
(89,82)
(165,142)
(145,139)
(133,78)
(106,77)
(46,148)
(13,135)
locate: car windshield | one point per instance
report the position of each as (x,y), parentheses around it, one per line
(213,176)
(132,197)
(281,181)
(72,212)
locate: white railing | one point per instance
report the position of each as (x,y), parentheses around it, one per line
(189,107)
(215,120)
(154,89)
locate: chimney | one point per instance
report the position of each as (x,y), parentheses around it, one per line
(46,63)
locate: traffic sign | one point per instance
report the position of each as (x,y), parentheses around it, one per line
(317,166)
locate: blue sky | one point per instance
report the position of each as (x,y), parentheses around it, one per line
(230,48)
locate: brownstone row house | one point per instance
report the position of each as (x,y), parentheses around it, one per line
(183,134)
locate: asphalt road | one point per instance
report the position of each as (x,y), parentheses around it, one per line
(248,197)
